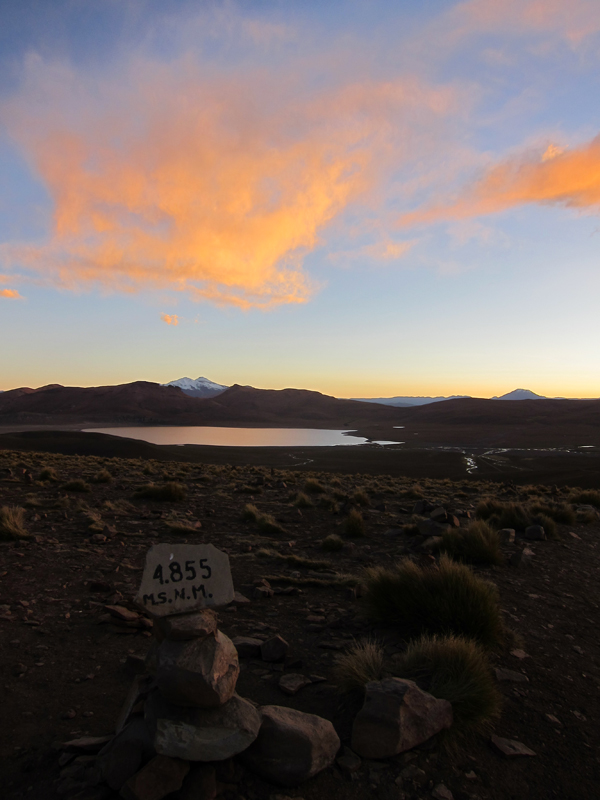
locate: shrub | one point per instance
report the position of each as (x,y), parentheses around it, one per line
(456,669)
(168,492)
(302,500)
(103,476)
(313,486)
(364,662)
(360,497)
(48,474)
(446,599)
(586,498)
(76,486)
(328,502)
(12,523)
(332,543)
(478,544)
(354,526)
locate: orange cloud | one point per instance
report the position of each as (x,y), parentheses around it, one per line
(569,178)
(12,293)
(174,177)
(574,19)
(170,319)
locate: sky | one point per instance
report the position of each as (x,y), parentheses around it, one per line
(365,198)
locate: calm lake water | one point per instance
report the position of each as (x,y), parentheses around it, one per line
(236,437)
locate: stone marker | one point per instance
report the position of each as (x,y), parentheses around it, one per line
(179,578)
(395,717)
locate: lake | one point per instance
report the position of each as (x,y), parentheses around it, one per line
(236,437)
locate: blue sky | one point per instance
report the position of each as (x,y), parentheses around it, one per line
(361,198)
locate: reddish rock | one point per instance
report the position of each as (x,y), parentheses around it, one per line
(160,777)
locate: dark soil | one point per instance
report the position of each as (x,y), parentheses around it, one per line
(63,659)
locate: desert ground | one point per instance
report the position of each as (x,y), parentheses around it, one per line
(67,664)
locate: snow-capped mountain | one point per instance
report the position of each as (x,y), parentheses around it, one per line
(408,401)
(201,387)
(520,394)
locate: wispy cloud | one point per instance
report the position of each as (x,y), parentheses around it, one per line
(170,319)
(569,178)
(11,293)
(173,175)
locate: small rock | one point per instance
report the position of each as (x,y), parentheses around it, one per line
(414,774)
(291,683)
(86,744)
(292,746)
(349,761)
(274,649)
(156,780)
(247,646)
(429,527)
(507,536)
(397,716)
(120,612)
(200,783)
(439,514)
(134,665)
(442,792)
(519,654)
(262,592)
(510,675)
(535,533)
(554,720)
(240,600)
(510,747)
(183,627)
(522,558)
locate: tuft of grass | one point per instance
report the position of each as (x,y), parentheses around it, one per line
(354,525)
(559,512)
(585,498)
(250,513)
(332,543)
(313,486)
(293,560)
(446,599)
(547,524)
(170,492)
(12,523)
(364,662)
(478,544)
(302,501)
(48,474)
(456,669)
(76,486)
(360,497)
(103,476)
(503,515)
(268,524)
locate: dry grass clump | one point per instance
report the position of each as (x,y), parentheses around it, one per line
(12,523)
(559,512)
(360,497)
(354,525)
(103,476)
(547,524)
(48,474)
(266,522)
(585,498)
(504,515)
(76,486)
(456,669)
(250,513)
(302,501)
(364,662)
(477,544)
(332,543)
(170,492)
(313,486)
(446,599)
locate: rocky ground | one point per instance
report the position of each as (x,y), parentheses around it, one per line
(66,662)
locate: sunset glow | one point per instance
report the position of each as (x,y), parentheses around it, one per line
(366,199)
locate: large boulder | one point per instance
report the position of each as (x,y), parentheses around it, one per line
(397,716)
(199,672)
(292,746)
(202,734)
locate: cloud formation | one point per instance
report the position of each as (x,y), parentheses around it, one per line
(177,177)
(569,178)
(170,319)
(11,293)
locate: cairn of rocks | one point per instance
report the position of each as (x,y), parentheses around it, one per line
(183,713)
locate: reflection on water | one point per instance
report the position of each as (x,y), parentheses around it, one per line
(235,437)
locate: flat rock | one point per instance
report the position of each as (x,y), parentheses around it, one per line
(120,612)
(397,716)
(441,792)
(291,683)
(199,734)
(291,746)
(506,535)
(161,776)
(247,646)
(87,744)
(198,672)
(196,625)
(183,577)
(274,649)
(510,747)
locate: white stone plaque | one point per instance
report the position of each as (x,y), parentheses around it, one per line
(184,577)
